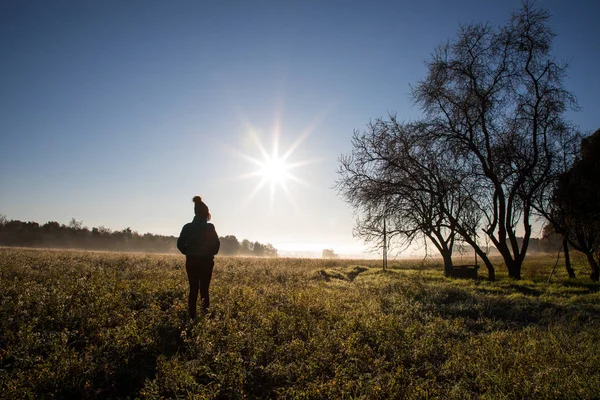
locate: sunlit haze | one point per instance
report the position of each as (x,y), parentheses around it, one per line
(273,169)
(117,113)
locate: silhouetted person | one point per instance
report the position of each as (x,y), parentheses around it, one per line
(199,242)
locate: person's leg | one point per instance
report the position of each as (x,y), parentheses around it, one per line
(205,276)
(192,268)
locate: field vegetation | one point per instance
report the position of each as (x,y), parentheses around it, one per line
(77,324)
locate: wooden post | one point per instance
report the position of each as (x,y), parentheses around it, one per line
(475,251)
(384,246)
(556,263)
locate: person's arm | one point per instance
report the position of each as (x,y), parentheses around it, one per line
(182,240)
(216,243)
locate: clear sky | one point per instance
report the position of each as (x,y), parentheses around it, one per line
(117,113)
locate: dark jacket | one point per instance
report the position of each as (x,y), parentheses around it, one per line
(199,239)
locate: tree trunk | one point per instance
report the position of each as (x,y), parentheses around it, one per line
(514,269)
(447,256)
(490,268)
(570,270)
(486,261)
(513,265)
(595,276)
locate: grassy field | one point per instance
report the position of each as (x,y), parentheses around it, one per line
(108,325)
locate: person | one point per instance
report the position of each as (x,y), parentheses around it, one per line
(200,243)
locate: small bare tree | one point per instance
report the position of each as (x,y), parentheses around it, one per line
(396,174)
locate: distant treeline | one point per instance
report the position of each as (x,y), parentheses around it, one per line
(550,243)
(76,236)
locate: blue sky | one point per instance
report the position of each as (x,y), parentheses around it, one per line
(117,113)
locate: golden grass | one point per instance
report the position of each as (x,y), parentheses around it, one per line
(109,325)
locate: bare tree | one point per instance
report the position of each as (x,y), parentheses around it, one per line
(551,229)
(546,205)
(575,212)
(396,174)
(495,100)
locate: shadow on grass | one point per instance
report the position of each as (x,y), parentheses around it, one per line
(349,274)
(131,373)
(591,287)
(527,291)
(511,311)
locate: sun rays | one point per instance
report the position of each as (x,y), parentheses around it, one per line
(274,170)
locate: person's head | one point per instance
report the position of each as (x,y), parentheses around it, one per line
(200,209)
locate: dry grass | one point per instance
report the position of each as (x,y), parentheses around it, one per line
(105,325)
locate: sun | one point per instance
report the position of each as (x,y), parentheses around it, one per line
(273,169)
